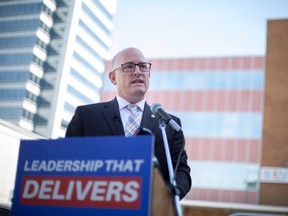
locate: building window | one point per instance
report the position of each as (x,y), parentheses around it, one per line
(27,115)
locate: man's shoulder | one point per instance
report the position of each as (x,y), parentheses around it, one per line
(95,105)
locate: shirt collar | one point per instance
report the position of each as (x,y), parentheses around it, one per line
(123,103)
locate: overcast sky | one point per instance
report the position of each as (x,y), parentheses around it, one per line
(195,28)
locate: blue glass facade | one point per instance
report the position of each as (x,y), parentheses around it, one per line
(237,125)
(252,79)
(39,70)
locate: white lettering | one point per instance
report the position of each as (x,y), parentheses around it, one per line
(35,165)
(55,194)
(130,189)
(60,166)
(83,165)
(138,164)
(114,189)
(81,190)
(70,190)
(99,164)
(26,166)
(42,166)
(31,189)
(81,194)
(45,189)
(97,191)
(75,166)
(123,166)
(128,166)
(67,165)
(108,165)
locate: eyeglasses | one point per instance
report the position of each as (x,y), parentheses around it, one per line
(130,67)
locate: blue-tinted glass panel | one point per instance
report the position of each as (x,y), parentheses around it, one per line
(95,18)
(12,94)
(51,51)
(92,33)
(48,68)
(40,120)
(15,58)
(221,125)
(41,102)
(60,3)
(20,76)
(78,94)
(70,108)
(45,85)
(89,48)
(84,80)
(20,9)
(64,123)
(252,79)
(221,175)
(12,42)
(103,9)
(18,25)
(10,112)
(86,63)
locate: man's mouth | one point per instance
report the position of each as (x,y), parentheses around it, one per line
(137,81)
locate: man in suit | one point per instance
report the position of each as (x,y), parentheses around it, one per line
(131,76)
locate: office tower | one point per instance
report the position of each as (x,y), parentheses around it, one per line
(52,56)
(219,101)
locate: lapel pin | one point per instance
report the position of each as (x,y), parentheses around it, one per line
(153,116)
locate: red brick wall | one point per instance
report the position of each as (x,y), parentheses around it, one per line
(275,124)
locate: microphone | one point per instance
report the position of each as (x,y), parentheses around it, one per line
(157,110)
(116,118)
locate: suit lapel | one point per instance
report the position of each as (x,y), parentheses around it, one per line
(112,116)
(148,119)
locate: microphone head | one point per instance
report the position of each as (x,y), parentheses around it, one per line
(155,107)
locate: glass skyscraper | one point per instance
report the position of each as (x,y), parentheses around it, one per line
(220,103)
(52,57)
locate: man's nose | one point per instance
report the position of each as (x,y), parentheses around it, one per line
(137,69)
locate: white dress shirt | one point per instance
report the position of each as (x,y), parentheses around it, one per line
(124,112)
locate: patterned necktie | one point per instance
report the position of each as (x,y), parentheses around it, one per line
(133,122)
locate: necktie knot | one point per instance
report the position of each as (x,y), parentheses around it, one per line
(132,108)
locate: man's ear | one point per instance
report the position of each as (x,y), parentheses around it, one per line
(112,77)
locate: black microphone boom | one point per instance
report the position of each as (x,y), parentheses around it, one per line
(157,110)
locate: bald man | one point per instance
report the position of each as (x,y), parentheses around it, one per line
(131,76)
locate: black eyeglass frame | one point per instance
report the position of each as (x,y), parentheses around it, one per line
(139,64)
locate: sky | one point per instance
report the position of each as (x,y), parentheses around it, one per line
(195,28)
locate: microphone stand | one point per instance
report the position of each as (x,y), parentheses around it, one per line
(162,126)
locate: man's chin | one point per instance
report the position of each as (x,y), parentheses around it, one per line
(139,88)
(139,93)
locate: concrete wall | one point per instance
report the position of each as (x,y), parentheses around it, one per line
(10,137)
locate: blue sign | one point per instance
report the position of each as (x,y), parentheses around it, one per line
(84,176)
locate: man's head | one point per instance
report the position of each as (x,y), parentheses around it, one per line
(132,80)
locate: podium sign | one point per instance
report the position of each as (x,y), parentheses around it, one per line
(84,176)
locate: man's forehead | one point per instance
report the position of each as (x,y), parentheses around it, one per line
(128,54)
(131,55)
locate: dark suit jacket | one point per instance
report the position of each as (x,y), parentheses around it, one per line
(103,119)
